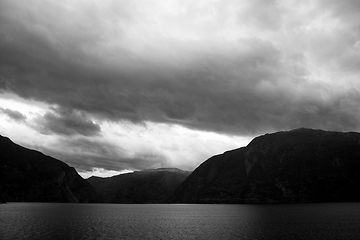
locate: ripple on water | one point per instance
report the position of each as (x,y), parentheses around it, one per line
(107,221)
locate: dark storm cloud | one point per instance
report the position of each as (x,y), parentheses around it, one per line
(85,154)
(66,122)
(247,87)
(15,115)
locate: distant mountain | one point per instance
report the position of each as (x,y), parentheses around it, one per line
(302,165)
(148,186)
(28,175)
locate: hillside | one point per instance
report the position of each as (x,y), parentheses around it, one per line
(29,176)
(148,186)
(298,166)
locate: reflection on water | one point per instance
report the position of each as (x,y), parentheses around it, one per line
(107,221)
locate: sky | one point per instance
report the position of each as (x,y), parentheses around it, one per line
(112,86)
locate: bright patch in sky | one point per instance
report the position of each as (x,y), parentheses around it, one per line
(101,172)
(121,145)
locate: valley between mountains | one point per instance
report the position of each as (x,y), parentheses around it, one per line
(297,166)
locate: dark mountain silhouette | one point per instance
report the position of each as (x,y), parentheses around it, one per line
(297,166)
(28,175)
(148,186)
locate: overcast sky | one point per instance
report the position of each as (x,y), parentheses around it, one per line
(115,85)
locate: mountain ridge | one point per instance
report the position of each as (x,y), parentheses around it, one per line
(146,186)
(301,165)
(297,166)
(29,175)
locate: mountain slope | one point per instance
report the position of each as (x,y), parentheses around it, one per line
(301,165)
(28,175)
(148,186)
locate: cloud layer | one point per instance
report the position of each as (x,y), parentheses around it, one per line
(233,67)
(187,71)
(66,122)
(15,115)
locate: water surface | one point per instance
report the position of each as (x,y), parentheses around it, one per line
(157,221)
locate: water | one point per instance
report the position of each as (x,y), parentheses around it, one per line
(107,221)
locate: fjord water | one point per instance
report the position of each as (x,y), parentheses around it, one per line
(157,221)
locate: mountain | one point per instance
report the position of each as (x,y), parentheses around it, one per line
(148,186)
(298,166)
(30,176)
